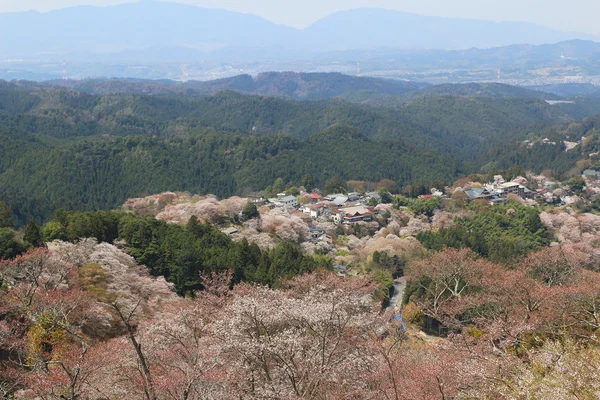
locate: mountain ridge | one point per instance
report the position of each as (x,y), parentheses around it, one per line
(163,23)
(307,86)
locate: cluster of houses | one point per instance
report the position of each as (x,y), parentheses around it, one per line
(591,174)
(354,207)
(497,191)
(542,189)
(339,208)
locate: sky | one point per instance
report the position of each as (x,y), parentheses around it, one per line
(572,15)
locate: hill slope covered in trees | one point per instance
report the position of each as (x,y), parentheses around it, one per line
(70,149)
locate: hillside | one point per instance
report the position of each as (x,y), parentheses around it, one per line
(80,151)
(91,298)
(306,86)
(569,89)
(101,174)
(62,113)
(489,90)
(300,86)
(316,86)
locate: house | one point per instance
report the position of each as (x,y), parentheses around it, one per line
(287,201)
(340,269)
(497,200)
(353,196)
(591,174)
(373,195)
(337,199)
(337,216)
(436,193)
(340,200)
(352,215)
(256,199)
(332,197)
(528,194)
(314,210)
(510,187)
(479,193)
(315,233)
(230,231)
(326,238)
(313,197)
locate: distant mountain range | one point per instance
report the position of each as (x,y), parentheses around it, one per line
(185,32)
(574,62)
(571,52)
(292,85)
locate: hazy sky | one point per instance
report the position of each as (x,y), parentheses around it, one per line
(571,15)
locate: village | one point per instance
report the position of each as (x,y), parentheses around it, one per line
(364,230)
(355,207)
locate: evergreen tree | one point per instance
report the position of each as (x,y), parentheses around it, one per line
(6,219)
(9,245)
(250,211)
(192,224)
(357,230)
(335,185)
(32,234)
(386,197)
(292,191)
(577,184)
(308,182)
(278,186)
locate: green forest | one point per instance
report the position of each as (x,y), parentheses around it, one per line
(83,152)
(501,233)
(182,254)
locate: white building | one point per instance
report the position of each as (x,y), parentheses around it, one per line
(288,201)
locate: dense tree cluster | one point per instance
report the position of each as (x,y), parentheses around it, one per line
(418,206)
(499,233)
(181,254)
(102,174)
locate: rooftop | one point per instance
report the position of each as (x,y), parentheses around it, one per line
(355,210)
(230,231)
(508,185)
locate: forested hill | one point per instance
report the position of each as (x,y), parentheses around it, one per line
(434,121)
(306,86)
(102,173)
(301,86)
(62,148)
(491,90)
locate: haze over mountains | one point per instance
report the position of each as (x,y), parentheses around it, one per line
(136,26)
